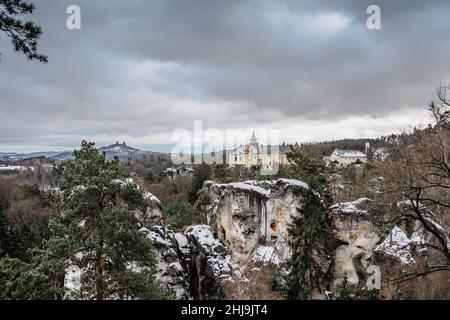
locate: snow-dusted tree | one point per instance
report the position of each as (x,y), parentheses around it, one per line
(202,173)
(310,235)
(418,176)
(311,243)
(95,238)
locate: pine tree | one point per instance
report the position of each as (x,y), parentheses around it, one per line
(311,170)
(23,34)
(181,215)
(222,173)
(14,243)
(311,243)
(201,174)
(95,235)
(4,234)
(310,233)
(204,200)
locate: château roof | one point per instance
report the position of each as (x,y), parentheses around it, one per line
(350,153)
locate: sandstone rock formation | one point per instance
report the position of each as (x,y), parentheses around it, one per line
(354,229)
(251,214)
(248,222)
(171,271)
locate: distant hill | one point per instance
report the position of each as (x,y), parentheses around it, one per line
(120,150)
(13,156)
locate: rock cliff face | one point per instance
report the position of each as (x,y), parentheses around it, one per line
(172,270)
(248,222)
(249,215)
(354,229)
(209,263)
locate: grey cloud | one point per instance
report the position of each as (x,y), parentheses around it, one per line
(139,68)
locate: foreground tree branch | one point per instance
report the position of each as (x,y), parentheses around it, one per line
(24,35)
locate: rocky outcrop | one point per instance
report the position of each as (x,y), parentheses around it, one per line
(253,214)
(193,264)
(357,234)
(171,268)
(209,264)
(248,222)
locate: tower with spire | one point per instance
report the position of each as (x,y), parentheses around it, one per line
(253,140)
(254,154)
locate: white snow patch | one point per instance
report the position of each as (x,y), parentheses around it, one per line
(176,266)
(130,182)
(16,168)
(134,267)
(183,243)
(350,207)
(217,258)
(154,236)
(294,182)
(151,197)
(430,218)
(254,185)
(204,236)
(124,182)
(72,278)
(248,187)
(397,244)
(266,255)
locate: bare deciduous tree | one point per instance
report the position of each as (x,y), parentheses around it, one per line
(419,175)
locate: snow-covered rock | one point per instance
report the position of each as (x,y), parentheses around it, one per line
(398,245)
(170,266)
(266,255)
(218,257)
(209,264)
(429,218)
(183,244)
(351,207)
(252,213)
(353,227)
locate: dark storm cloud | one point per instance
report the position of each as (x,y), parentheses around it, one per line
(143,68)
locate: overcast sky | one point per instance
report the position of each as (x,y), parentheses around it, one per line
(139,69)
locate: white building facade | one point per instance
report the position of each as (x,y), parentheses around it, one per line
(348,157)
(254,154)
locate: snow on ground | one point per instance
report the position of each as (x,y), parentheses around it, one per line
(266,255)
